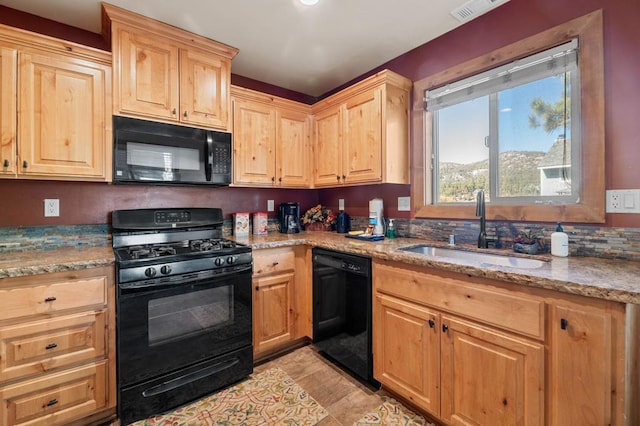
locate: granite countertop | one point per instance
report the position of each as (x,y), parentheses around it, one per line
(616,280)
(32,262)
(610,279)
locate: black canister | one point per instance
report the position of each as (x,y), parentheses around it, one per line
(344,223)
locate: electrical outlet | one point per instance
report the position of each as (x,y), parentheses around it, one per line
(51,207)
(341,204)
(404,204)
(623,201)
(270,207)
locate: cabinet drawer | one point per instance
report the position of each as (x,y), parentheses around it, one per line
(55,399)
(491,305)
(39,346)
(52,297)
(273,260)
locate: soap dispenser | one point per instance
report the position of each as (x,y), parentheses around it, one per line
(391,229)
(559,242)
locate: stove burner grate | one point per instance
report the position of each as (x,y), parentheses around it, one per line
(146,252)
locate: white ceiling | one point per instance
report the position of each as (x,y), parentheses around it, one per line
(309,49)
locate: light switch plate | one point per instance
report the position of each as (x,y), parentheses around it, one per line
(270,207)
(404,204)
(341,204)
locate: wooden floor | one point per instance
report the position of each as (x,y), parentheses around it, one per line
(344,397)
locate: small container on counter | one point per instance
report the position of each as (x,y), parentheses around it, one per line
(559,242)
(241,224)
(260,221)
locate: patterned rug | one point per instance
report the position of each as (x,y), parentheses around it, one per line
(267,398)
(391,412)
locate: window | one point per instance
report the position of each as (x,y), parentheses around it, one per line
(483,118)
(510,131)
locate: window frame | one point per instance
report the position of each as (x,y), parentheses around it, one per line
(591,206)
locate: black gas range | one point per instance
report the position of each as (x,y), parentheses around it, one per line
(183,304)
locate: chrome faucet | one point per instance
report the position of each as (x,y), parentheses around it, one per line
(483,241)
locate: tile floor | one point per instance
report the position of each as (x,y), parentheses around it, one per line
(345,398)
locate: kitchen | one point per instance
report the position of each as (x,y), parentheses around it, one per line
(88,205)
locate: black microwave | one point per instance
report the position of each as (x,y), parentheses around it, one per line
(159,153)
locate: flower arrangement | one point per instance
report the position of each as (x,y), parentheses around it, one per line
(319,214)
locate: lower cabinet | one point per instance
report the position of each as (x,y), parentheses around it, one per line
(549,358)
(57,348)
(280,313)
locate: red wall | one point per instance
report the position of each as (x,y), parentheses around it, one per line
(90,203)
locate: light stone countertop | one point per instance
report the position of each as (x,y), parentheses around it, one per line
(610,279)
(616,280)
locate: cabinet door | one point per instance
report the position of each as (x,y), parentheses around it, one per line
(328,148)
(489,378)
(204,89)
(406,351)
(362,140)
(62,116)
(146,74)
(293,150)
(8,101)
(272,311)
(254,143)
(580,365)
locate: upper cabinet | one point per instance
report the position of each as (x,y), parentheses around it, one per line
(271,141)
(361,134)
(167,74)
(54,108)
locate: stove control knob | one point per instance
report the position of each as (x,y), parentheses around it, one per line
(231,260)
(166,269)
(219,261)
(150,272)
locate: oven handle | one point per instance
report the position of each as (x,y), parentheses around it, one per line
(189,378)
(189,278)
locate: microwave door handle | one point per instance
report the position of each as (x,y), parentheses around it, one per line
(208,168)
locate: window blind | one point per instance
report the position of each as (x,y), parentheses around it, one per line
(554,61)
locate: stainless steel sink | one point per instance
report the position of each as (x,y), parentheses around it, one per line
(482,258)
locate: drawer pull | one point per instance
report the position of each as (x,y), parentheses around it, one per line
(51,346)
(52,402)
(432,323)
(50,299)
(275,263)
(564,323)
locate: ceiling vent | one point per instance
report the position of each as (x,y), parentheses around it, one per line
(474,8)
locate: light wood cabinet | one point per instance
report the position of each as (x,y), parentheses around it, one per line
(361,134)
(54,109)
(57,348)
(584,373)
(475,351)
(281,299)
(271,140)
(440,361)
(167,74)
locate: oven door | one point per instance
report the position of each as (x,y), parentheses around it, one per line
(163,328)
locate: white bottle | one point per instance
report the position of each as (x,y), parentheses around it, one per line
(559,242)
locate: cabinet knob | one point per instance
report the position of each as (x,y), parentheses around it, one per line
(445,328)
(432,323)
(51,346)
(338,178)
(273,178)
(564,323)
(25,164)
(280,179)
(50,299)
(185,114)
(275,263)
(344,177)
(174,111)
(5,163)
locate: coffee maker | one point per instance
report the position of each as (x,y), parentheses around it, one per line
(289,216)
